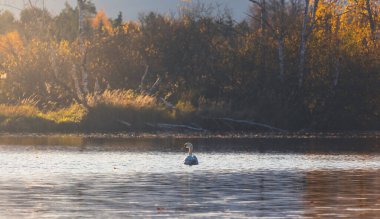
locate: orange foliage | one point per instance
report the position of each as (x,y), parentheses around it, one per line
(101,22)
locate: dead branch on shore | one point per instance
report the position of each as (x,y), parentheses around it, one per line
(153,88)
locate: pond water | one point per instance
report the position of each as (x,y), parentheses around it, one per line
(118,177)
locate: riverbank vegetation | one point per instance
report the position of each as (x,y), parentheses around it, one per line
(290,65)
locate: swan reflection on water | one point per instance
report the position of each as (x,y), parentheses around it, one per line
(190,159)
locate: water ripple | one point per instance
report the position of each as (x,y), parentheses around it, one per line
(51,182)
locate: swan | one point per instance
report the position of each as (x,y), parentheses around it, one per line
(190,159)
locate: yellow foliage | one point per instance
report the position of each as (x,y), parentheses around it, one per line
(131,27)
(64,48)
(10,44)
(355,28)
(352,17)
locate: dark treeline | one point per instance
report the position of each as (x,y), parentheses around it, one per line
(292,64)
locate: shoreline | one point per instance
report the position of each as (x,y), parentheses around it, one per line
(203,135)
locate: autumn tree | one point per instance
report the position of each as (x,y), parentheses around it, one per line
(296,64)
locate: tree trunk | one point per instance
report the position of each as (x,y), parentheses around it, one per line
(281,58)
(76,94)
(337,54)
(370,18)
(306,30)
(78,90)
(263,36)
(281,43)
(82,47)
(301,65)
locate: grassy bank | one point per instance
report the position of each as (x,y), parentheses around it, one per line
(117,111)
(27,118)
(128,111)
(111,111)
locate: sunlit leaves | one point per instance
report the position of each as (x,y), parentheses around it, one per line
(11,44)
(101,23)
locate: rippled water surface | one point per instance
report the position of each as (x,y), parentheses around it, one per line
(99,177)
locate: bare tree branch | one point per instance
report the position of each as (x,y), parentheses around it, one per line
(256,2)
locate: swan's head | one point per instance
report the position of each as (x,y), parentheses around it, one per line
(188,145)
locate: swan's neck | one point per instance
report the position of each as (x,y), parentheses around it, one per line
(190,151)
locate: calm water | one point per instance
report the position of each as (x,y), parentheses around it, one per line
(103,177)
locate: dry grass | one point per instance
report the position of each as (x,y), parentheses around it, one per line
(105,113)
(10,111)
(113,110)
(124,99)
(28,118)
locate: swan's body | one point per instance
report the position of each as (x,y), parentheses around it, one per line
(190,159)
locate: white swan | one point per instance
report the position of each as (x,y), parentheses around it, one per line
(190,159)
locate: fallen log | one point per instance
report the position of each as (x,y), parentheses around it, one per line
(125,123)
(174,126)
(247,122)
